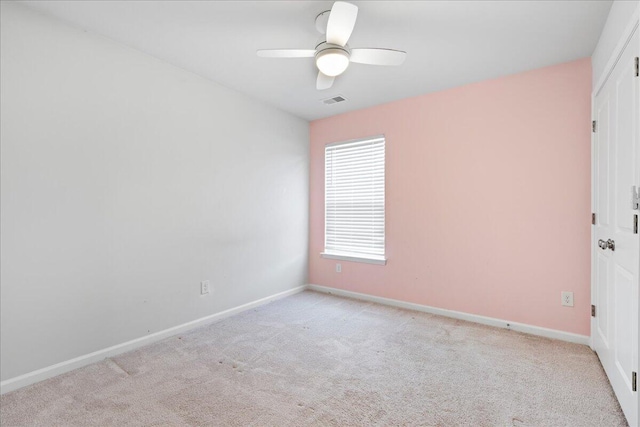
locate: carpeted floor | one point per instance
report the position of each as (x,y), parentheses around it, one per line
(315,359)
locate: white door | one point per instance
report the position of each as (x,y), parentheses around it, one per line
(616,245)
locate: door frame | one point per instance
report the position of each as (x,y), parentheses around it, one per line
(611,63)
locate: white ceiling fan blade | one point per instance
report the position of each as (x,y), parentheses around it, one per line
(324,82)
(286,53)
(378,56)
(342,19)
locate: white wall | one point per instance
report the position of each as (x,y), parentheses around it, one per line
(126,181)
(620,16)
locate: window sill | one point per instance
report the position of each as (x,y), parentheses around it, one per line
(367,259)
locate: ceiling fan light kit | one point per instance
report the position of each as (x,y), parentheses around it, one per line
(332,61)
(332,55)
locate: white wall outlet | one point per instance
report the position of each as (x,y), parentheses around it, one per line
(567,299)
(204,287)
(338,268)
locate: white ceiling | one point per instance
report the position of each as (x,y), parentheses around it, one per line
(448,43)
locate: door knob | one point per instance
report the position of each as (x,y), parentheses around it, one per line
(602,244)
(611,244)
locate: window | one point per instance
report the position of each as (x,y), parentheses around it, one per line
(354,200)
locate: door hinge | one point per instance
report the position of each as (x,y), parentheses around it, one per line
(635,198)
(634,381)
(593,310)
(635,224)
(637,66)
(593,126)
(593,219)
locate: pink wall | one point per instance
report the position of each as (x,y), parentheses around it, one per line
(487,198)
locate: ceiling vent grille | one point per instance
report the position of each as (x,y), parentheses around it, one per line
(334,100)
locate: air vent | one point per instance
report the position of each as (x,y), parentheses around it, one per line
(334,100)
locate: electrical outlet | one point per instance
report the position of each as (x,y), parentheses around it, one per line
(567,299)
(338,268)
(204,287)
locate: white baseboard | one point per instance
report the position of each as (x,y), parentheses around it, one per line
(69,365)
(506,324)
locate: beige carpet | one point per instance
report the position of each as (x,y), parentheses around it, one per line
(315,359)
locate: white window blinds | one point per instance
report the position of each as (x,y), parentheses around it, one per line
(354,198)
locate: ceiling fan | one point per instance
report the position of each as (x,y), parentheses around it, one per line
(332,54)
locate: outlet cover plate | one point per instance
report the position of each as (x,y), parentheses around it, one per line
(205,287)
(567,299)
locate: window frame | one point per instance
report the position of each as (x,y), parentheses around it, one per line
(348,256)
